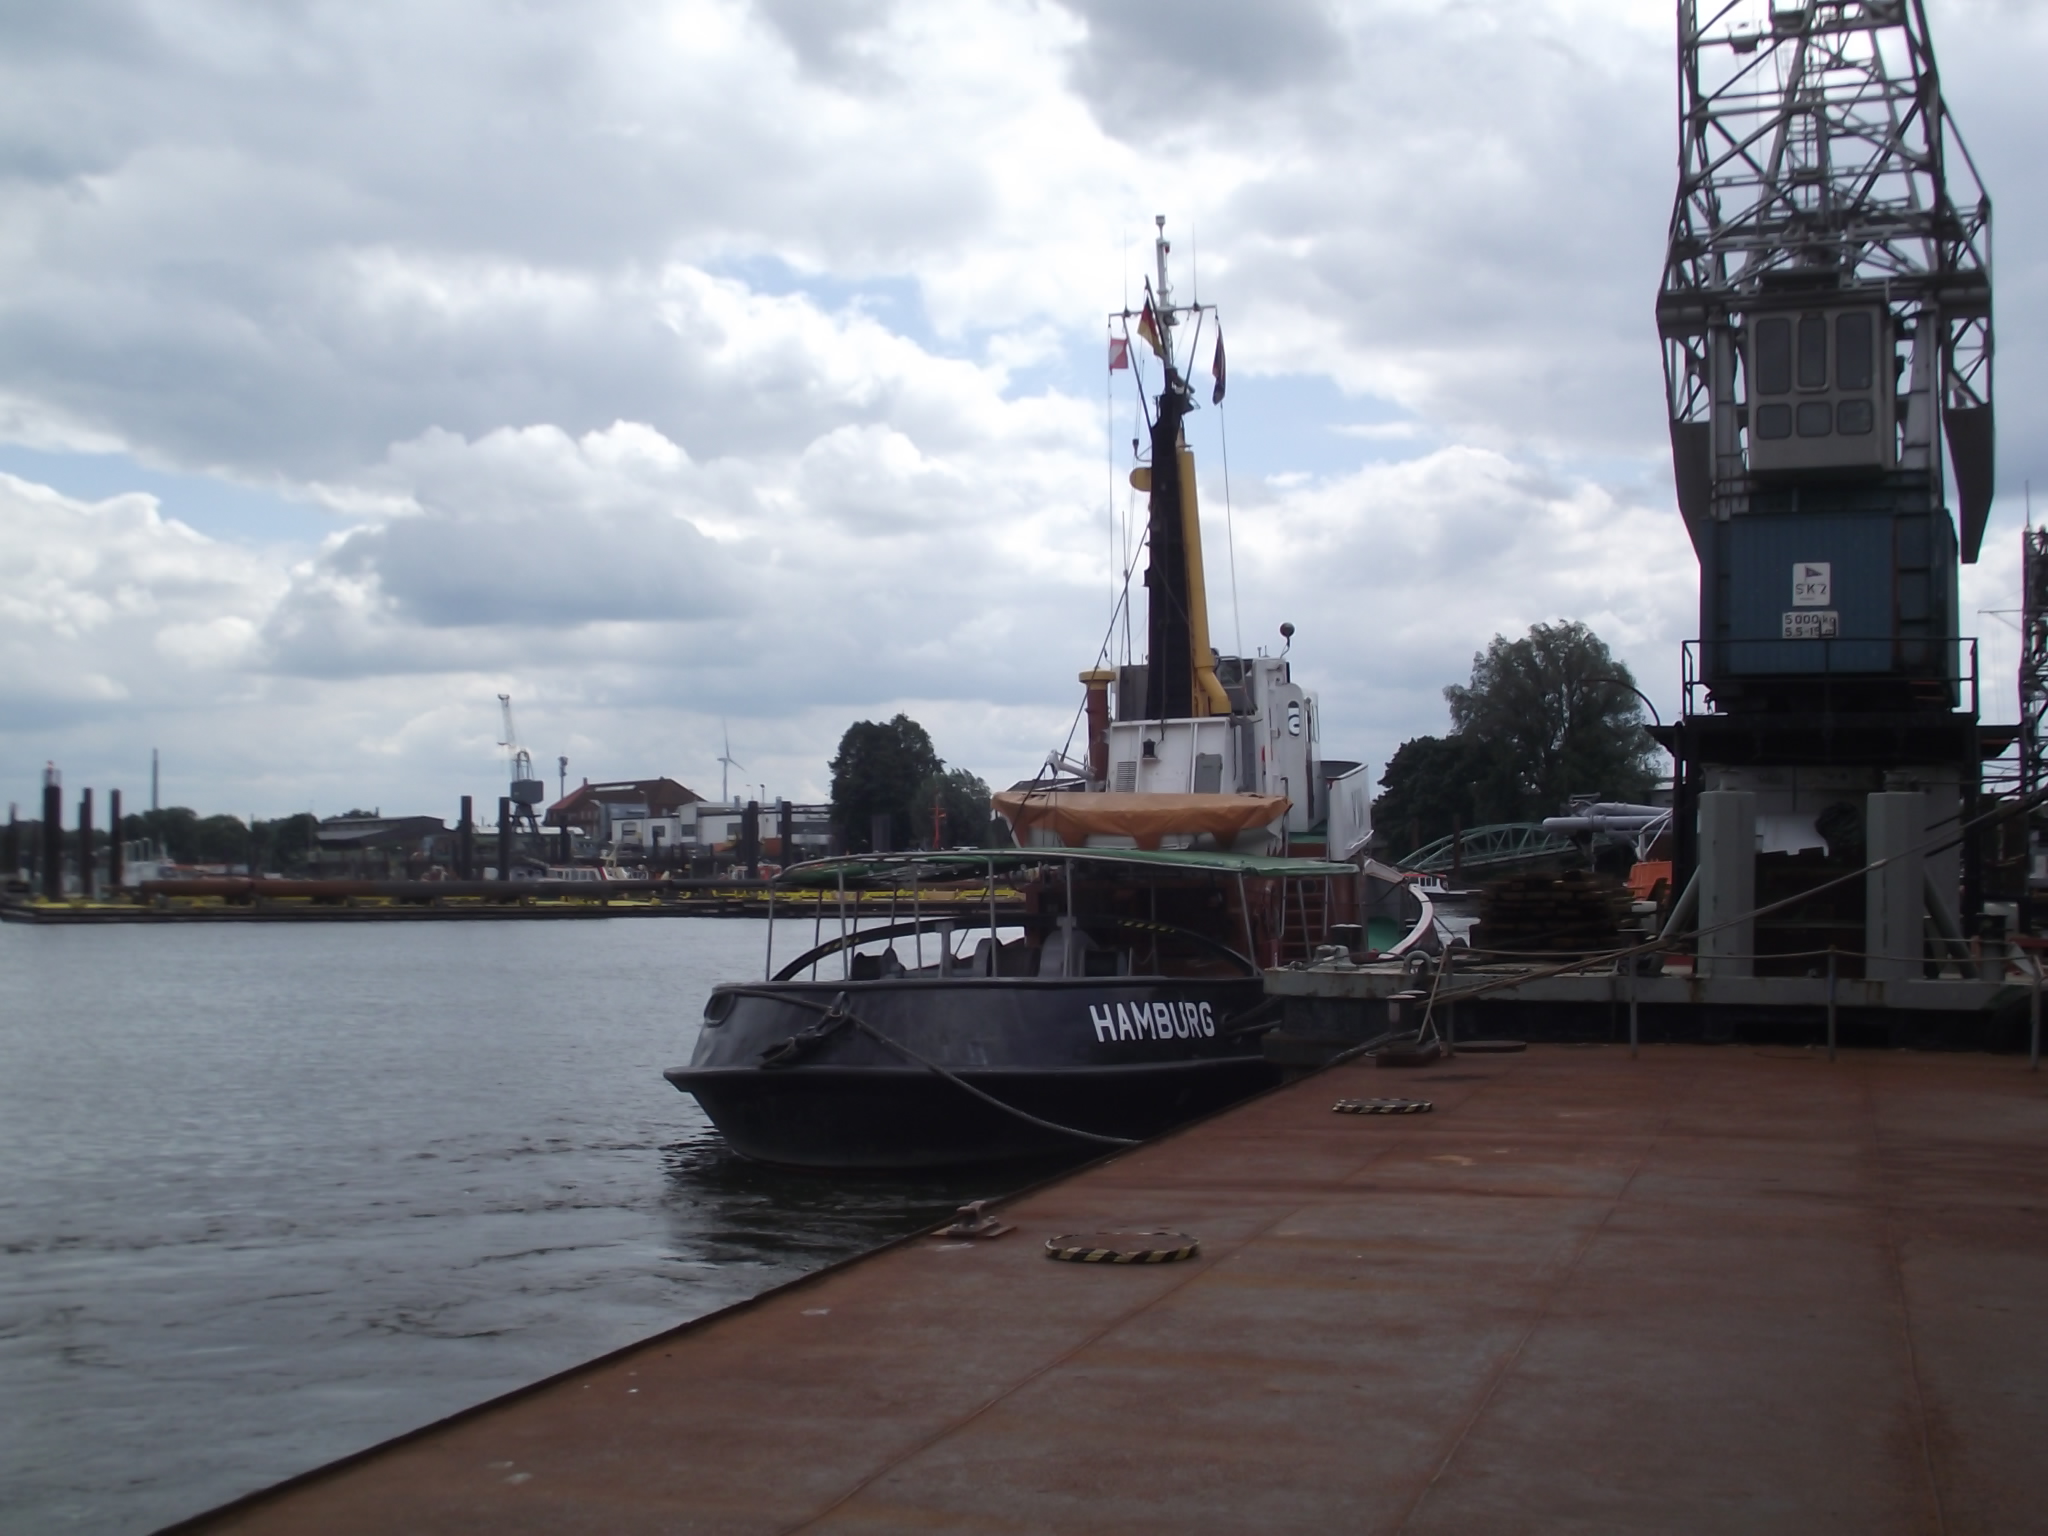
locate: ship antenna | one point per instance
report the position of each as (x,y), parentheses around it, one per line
(1164,316)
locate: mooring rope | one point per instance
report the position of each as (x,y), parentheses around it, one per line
(836,1013)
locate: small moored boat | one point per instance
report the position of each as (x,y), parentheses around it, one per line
(1081,999)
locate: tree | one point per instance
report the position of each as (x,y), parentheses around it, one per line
(964,798)
(175,828)
(1557,715)
(1431,785)
(877,773)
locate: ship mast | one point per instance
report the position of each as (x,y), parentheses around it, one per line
(1180,675)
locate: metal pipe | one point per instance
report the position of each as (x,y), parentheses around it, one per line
(768,965)
(845,949)
(1244,907)
(1067,949)
(917,917)
(1831,1002)
(1944,923)
(1682,909)
(2034,1019)
(1444,962)
(995,942)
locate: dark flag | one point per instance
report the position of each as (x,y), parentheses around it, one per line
(1216,368)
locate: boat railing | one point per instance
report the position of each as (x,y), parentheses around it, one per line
(991,957)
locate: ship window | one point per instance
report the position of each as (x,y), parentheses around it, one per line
(1855,357)
(1854,418)
(1813,351)
(1774,421)
(1816,417)
(1773,357)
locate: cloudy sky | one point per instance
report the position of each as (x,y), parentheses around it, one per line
(678,367)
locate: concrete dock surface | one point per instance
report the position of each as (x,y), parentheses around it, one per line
(1711,1289)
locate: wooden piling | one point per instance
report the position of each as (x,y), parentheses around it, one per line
(85,870)
(53,837)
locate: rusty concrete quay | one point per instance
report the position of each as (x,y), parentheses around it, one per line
(1711,1289)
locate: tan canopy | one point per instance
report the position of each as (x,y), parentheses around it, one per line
(1146,819)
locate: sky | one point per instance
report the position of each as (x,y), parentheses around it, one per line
(713,371)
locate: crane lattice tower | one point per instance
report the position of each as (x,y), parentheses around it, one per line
(1826,321)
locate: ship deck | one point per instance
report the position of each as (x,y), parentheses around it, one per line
(1710,1289)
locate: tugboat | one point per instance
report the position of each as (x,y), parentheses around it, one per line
(1088,999)
(1099,982)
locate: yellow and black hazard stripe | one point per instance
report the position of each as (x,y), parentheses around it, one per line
(1088,1248)
(1382,1106)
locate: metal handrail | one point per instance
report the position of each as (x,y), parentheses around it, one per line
(1961,675)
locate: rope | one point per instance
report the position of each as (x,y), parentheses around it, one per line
(837,1014)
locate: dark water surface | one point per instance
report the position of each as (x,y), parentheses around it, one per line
(270,1194)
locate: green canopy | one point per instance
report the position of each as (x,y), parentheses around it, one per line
(897,869)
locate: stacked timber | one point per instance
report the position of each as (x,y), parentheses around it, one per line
(1580,913)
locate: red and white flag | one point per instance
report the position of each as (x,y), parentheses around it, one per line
(1119,353)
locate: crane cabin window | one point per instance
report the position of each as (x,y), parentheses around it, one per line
(1818,382)
(1855,356)
(1774,357)
(1813,351)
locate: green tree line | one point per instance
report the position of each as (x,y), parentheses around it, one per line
(283,845)
(1543,718)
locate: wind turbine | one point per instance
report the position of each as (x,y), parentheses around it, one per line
(726,762)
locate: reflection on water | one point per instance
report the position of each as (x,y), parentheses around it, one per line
(269,1195)
(735,1212)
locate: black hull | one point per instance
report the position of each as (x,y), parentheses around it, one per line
(1048,1050)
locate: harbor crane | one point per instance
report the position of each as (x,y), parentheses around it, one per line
(1825,313)
(525,791)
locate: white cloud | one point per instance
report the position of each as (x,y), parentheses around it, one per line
(663,363)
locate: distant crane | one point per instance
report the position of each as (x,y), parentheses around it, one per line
(726,762)
(526,790)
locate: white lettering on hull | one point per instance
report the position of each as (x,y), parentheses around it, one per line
(1152,1021)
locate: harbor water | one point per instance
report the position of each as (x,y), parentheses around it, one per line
(270,1194)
